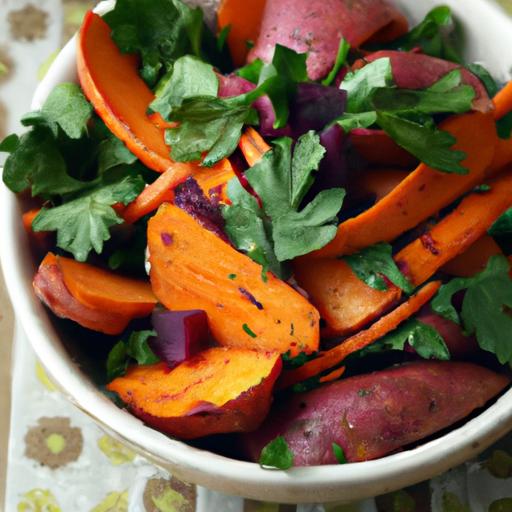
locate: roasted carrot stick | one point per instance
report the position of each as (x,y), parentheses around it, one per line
(360,340)
(253,146)
(347,304)
(244,20)
(103,290)
(503,101)
(214,180)
(378,182)
(473,260)
(424,192)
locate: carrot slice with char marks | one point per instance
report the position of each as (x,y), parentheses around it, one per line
(104,290)
(362,339)
(424,192)
(192,268)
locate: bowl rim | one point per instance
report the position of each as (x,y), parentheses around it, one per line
(301,484)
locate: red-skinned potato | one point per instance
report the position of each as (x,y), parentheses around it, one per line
(316,26)
(49,286)
(220,390)
(372,415)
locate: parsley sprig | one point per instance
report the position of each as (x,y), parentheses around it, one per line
(279,230)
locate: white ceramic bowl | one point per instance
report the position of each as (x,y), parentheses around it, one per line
(489,32)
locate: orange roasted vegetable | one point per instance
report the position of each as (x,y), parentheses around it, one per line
(377,183)
(243,20)
(162,189)
(362,339)
(104,290)
(253,146)
(192,268)
(473,260)
(423,193)
(49,286)
(503,101)
(217,391)
(347,304)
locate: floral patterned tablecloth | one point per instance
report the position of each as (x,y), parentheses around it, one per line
(60,461)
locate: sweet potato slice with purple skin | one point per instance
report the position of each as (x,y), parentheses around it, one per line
(49,286)
(220,390)
(373,415)
(104,290)
(379,149)
(418,71)
(423,193)
(316,26)
(192,268)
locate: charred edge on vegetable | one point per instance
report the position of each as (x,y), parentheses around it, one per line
(429,244)
(250,297)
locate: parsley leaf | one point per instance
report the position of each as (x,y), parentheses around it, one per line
(251,71)
(37,163)
(374,262)
(425,340)
(66,107)
(136,348)
(434,35)
(429,144)
(281,180)
(112,152)
(341,58)
(160,30)
(339,453)
(504,126)
(83,223)
(502,226)
(485,307)
(485,77)
(190,77)
(361,84)
(350,121)
(276,454)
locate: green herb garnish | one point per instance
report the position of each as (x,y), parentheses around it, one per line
(276,454)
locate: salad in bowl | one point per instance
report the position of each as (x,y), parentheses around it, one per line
(285,240)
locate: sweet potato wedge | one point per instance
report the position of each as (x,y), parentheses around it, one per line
(49,286)
(217,391)
(473,260)
(316,26)
(103,290)
(372,415)
(192,268)
(423,193)
(362,339)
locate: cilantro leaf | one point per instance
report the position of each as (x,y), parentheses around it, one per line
(66,107)
(83,223)
(341,58)
(190,77)
(350,121)
(251,71)
(339,453)
(485,77)
(10,143)
(207,125)
(276,454)
(502,226)
(374,262)
(361,84)
(37,163)
(429,144)
(112,152)
(160,30)
(485,307)
(425,340)
(456,99)
(434,35)
(136,348)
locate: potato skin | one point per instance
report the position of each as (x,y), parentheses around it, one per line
(372,415)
